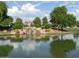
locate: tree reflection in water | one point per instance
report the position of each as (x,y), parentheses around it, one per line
(76,35)
(60,48)
(44,39)
(5,50)
(17,38)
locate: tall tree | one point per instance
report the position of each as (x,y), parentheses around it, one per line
(61,19)
(3,11)
(18,24)
(5,20)
(45,21)
(37,22)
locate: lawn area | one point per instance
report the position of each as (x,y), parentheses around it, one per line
(75,30)
(5,33)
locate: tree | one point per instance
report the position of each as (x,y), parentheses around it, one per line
(61,19)
(71,20)
(18,24)
(5,20)
(45,23)
(37,22)
(3,11)
(19,20)
(47,26)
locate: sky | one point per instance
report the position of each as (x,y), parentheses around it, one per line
(28,10)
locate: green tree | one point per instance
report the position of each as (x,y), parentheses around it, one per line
(7,22)
(47,26)
(61,19)
(3,11)
(37,22)
(71,20)
(18,24)
(45,23)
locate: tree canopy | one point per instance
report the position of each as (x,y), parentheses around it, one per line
(18,24)
(60,17)
(45,23)
(5,20)
(37,22)
(3,11)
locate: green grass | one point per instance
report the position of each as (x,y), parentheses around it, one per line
(74,30)
(5,33)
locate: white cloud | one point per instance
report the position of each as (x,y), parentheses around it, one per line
(28,19)
(25,10)
(14,11)
(30,8)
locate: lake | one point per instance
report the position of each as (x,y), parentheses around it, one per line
(60,46)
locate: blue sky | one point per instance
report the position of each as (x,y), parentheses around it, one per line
(28,10)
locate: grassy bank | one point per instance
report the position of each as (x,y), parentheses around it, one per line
(5,34)
(73,30)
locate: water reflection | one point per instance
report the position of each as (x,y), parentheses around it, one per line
(44,39)
(55,37)
(40,46)
(24,46)
(5,50)
(76,35)
(30,46)
(17,38)
(60,48)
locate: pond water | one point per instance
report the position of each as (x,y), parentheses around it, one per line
(66,45)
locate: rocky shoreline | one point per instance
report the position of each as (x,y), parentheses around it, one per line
(33,31)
